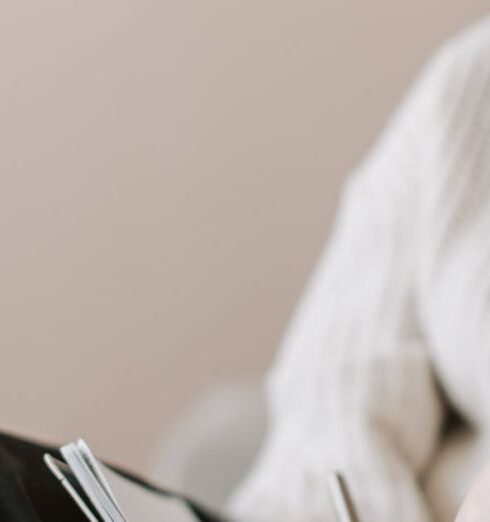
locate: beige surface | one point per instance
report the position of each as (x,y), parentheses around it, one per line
(169,170)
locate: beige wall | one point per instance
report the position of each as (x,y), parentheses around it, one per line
(168,175)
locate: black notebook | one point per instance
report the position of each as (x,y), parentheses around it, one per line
(104,495)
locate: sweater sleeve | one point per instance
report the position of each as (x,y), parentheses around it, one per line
(352,387)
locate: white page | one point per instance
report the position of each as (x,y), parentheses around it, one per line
(139,504)
(91,485)
(92,463)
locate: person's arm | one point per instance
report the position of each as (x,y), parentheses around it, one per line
(352,388)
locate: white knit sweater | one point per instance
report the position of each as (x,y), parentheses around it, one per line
(396,316)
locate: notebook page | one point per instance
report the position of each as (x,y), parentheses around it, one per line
(138,504)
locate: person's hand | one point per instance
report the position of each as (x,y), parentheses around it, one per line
(476,507)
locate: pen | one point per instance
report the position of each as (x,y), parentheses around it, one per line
(344,508)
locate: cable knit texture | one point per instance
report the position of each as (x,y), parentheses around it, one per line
(397,310)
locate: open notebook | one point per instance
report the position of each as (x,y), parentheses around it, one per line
(105,496)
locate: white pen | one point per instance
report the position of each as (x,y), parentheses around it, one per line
(344,508)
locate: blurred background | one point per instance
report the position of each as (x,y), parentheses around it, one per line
(169,172)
